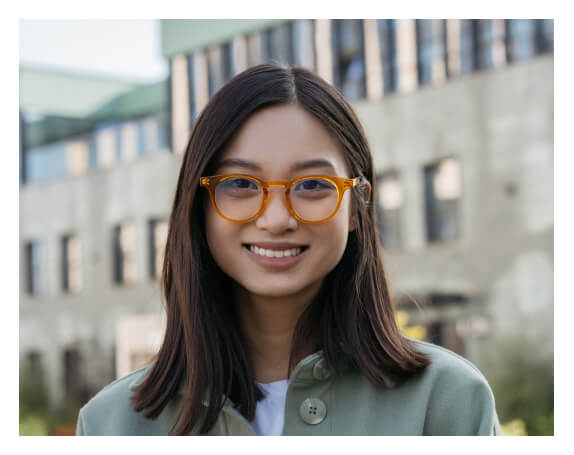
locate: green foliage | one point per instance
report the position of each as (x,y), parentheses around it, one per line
(515,427)
(36,417)
(523,385)
(33,425)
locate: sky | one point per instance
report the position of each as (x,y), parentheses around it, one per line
(127,49)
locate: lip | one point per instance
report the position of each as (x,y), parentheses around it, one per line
(276,245)
(283,263)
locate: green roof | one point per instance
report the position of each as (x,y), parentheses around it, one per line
(138,101)
(66,94)
(73,103)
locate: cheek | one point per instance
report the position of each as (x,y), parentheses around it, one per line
(219,235)
(331,238)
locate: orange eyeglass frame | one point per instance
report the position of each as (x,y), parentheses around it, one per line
(342,184)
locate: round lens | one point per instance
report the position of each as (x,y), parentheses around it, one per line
(238,198)
(314,199)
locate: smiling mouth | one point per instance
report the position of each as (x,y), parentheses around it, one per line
(283,253)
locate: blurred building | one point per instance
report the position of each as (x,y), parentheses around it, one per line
(459,115)
(96,179)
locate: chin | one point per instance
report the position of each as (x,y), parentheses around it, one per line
(273,290)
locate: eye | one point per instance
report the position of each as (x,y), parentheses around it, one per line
(238,187)
(313,185)
(243,183)
(314,189)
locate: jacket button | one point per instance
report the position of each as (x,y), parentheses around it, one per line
(313,411)
(320,370)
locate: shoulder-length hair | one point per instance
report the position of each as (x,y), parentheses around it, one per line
(352,317)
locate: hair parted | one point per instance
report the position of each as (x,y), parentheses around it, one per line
(352,317)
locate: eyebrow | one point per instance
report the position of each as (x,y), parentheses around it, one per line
(238,162)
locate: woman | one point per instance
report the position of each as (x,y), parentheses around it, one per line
(279,314)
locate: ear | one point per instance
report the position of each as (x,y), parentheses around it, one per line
(364,190)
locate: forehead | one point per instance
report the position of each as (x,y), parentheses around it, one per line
(280,138)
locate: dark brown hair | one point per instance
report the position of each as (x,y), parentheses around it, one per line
(352,317)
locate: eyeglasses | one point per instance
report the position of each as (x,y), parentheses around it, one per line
(241,198)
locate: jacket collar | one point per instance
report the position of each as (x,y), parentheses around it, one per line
(312,369)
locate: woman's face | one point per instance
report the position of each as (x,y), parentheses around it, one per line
(275,139)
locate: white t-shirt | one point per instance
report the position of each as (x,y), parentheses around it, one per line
(270,411)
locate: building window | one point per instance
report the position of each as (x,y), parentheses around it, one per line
(390,199)
(303,43)
(214,70)
(387,39)
(349,58)
(442,182)
(425,50)
(140,133)
(34,362)
(71,264)
(266,46)
(157,238)
(468,57)
(162,122)
(72,376)
(149,140)
(47,162)
(227,61)
(544,35)
(278,44)
(443,333)
(490,47)
(218,67)
(520,39)
(191,89)
(431,55)
(138,339)
(124,253)
(484,48)
(93,153)
(34,256)
(22,147)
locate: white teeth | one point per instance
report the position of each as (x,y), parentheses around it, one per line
(275,253)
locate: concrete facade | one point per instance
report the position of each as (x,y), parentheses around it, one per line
(500,125)
(90,206)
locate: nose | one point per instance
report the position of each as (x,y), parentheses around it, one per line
(276,217)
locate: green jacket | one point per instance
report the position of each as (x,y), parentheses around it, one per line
(451,397)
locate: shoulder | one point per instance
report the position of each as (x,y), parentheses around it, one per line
(110,411)
(447,364)
(460,400)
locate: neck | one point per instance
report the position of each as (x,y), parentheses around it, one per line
(268,325)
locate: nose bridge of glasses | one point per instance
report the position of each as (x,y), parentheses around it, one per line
(277,183)
(279,186)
